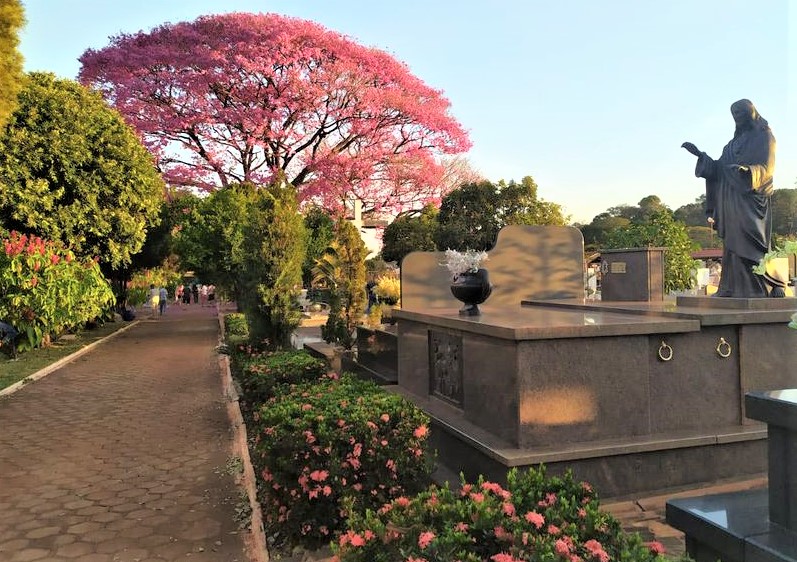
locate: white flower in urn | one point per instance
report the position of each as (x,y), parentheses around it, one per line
(459,263)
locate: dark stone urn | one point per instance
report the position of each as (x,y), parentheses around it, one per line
(472,288)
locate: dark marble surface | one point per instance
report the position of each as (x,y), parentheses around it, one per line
(538,323)
(690,308)
(734,526)
(775,407)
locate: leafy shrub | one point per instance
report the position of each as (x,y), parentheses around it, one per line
(138,286)
(262,374)
(388,289)
(45,290)
(535,518)
(320,447)
(235,325)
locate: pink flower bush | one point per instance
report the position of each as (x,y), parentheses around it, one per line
(45,291)
(325,456)
(479,526)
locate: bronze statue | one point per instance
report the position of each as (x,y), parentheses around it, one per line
(738,190)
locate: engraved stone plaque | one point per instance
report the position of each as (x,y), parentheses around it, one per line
(618,267)
(445,367)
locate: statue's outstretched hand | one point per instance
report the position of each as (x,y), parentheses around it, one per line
(690,148)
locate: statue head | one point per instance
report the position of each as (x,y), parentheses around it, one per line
(746,116)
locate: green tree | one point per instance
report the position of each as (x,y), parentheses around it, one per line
(693,214)
(411,231)
(471,216)
(211,236)
(662,230)
(12,19)
(343,267)
(784,212)
(72,171)
(598,231)
(520,204)
(274,247)
(703,237)
(320,228)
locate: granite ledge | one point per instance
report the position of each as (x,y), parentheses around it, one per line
(707,316)
(540,323)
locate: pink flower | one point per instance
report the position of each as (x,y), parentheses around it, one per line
(306,407)
(462,527)
(356,540)
(508,509)
(549,500)
(465,490)
(421,431)
(562,547)
(496,489)
(502,534)
(503,557)
(535,519)
(327,491)
(412,559)
(319,475)
(553,530)
(425,538)
(402,501)
(371,424)
(477,497)
(596,549)
(385,418)
(656,547)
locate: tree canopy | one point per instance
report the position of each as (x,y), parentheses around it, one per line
(471,216)
(410,232)
(12,19)
(244,97)
(71,170)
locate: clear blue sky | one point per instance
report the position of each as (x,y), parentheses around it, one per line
(592,99)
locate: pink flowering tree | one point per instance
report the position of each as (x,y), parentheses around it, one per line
(241,97)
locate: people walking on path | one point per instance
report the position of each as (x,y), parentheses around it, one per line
(163,298)
(122,454)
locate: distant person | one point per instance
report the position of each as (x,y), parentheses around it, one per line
(163,296)
(178,294)
(186,294)
(203,294)
(154,298)
(195,292)
(211,293)
(738,190)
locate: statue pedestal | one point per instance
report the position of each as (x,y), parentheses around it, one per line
(756,525)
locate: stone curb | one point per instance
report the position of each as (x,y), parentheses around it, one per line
(41,373)
(256,538)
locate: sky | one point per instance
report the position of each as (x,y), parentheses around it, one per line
(591,99)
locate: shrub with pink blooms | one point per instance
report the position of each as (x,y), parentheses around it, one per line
(533,518)
(326,449)
(45,291)
(262,374)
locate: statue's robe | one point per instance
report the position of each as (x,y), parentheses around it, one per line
(739,203)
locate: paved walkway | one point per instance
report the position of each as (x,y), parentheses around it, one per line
(123,455)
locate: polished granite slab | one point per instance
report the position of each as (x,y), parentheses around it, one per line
(548,322)
(733,526)
(691,308)
(775,407)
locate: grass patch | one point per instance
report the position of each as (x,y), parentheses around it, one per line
(29,362)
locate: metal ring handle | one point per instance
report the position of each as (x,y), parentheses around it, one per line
(665,351)
(723,348)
